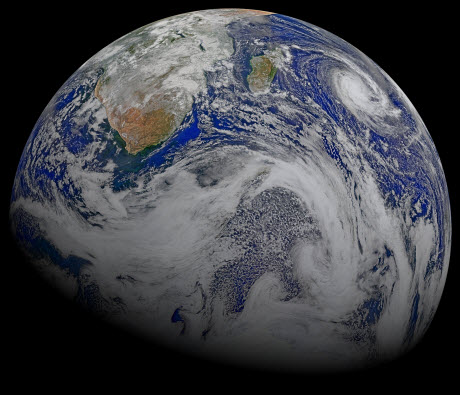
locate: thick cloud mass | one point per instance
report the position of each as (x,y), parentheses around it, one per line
(304,226)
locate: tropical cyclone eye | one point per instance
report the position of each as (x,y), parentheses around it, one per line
(240,185)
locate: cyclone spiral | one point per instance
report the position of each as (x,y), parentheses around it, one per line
(241,185)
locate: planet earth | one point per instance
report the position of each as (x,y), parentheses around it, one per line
(239,186)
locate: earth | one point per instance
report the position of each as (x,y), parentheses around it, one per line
(240,186)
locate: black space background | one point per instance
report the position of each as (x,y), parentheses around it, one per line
(46,337)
